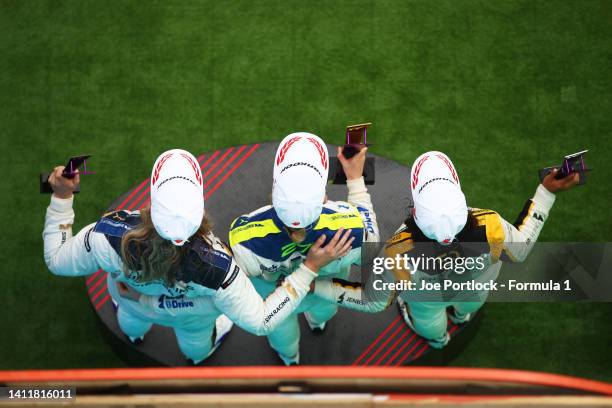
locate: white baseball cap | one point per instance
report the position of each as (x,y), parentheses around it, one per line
(301,166)
(177,200)
(440,209)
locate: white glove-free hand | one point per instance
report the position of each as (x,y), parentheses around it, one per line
(339,246)
(63,187)
(353,167)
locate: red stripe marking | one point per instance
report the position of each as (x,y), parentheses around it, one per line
(410,351)
(393,346)
(101,291)
(421,351)
(229,173)
(199,159)
(129,197)
(383,345)
(92,277)
(399,351)
(376,340)
(227,163)
(425,347)
(93,287)
(209,159)
(141,196)
(145,200)
(103,301)
(394,356)
(228,151)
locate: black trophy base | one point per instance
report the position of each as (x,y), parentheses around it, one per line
(337,176)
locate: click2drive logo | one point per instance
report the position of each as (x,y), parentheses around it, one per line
(179,302)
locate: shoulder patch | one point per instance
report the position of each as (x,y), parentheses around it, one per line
(481,214)
(489,222)
(243,230)
(204,266)
(399,243)
(333,220)
(495,231)
(115,224)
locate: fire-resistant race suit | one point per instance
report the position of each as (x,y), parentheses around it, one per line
(209,282)
(264,250)
(501,241)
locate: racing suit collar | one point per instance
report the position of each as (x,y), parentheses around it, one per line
(311,234)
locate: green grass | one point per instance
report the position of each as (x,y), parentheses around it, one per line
(503,87)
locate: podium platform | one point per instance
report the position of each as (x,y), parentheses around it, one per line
(237,181)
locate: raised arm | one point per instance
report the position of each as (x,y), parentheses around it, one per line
(520,237)
(358,192)
(65,254)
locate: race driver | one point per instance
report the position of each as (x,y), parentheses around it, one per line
(168,252)
(271,242)
(442,224)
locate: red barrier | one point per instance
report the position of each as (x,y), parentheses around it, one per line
(311,372)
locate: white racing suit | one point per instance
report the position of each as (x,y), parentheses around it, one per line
(264,250)
(209,285)
(503,242)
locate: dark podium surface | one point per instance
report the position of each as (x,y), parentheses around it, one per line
(238,180)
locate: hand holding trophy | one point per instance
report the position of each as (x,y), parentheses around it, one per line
(351,162)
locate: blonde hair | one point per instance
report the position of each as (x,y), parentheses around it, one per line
(155,258)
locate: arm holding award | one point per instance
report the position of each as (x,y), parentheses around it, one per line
(355,141)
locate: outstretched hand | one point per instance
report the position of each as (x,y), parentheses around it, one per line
(63,187)
(339,246)
(554,185)
(353,167)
